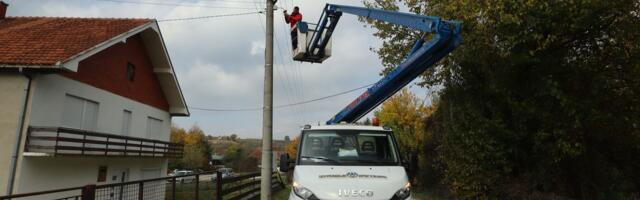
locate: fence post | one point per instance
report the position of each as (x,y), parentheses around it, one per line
(173,188)
(218,185)
(55,148)
(89,192)
(141,191)
(197,186)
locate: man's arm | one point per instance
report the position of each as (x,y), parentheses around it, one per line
(286,17)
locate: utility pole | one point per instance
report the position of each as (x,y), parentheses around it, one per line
(267,109)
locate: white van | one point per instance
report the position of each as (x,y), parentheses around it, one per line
(347,162)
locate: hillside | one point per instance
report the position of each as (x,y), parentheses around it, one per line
(221,145)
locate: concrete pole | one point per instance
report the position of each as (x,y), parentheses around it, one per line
(267,112)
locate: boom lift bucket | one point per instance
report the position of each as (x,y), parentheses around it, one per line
(301,53)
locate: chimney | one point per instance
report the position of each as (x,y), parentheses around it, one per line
(3,9)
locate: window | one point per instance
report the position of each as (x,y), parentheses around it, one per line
(80,113)
(154,127)
(102,173)
(347,147)
(131,71)
(126,123)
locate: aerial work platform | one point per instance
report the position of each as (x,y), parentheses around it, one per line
(306,32)
(439,38)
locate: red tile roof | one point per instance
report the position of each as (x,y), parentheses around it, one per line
(47,40)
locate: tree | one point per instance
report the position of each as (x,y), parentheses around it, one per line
(287,139)
(242,158)
(233,156)
(405,113)
(292,147)
(177,135)
(196,148)
(234,137)
(535,86)
(256,153)
(196,152)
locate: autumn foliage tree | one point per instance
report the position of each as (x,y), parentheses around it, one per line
(292,148)
(196,152)
(242,158)
(405,113)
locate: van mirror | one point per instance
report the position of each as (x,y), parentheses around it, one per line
(284,162)
(409,165)
(406,163)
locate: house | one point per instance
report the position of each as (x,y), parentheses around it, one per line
(216,161)
(84,101)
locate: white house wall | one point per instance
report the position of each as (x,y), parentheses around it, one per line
(47,173)
(48,107)
(44,173)
(12,91)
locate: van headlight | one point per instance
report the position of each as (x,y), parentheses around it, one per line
(303,192)
(403,193)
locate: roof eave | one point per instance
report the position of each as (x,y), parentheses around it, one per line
(33,68)
(163,68)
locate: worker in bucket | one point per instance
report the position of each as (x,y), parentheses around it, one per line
(293,19)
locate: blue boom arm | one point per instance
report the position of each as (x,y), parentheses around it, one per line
(424,54)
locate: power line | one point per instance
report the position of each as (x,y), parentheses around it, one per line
(295,78)
(291,79)
(286,83)
(209,16)
(323,98)
(280,106)
(225,110)
(296,66)
(235,1)
(176,4)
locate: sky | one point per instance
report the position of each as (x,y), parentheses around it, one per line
(219,62)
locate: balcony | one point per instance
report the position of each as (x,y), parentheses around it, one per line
(59,141)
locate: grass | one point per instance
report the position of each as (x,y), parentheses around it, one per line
(187,190)
(282,194)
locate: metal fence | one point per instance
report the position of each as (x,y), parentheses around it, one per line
(187,187)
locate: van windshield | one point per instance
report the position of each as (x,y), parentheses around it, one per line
(347,147)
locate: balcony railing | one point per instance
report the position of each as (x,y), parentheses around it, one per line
(60,141)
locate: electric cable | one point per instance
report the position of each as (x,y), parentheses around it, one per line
(176,4)
(208,17)
(280,106)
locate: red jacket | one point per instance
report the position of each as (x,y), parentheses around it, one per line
(292,19)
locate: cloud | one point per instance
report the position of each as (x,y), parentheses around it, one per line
(257,48)
(206,79)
